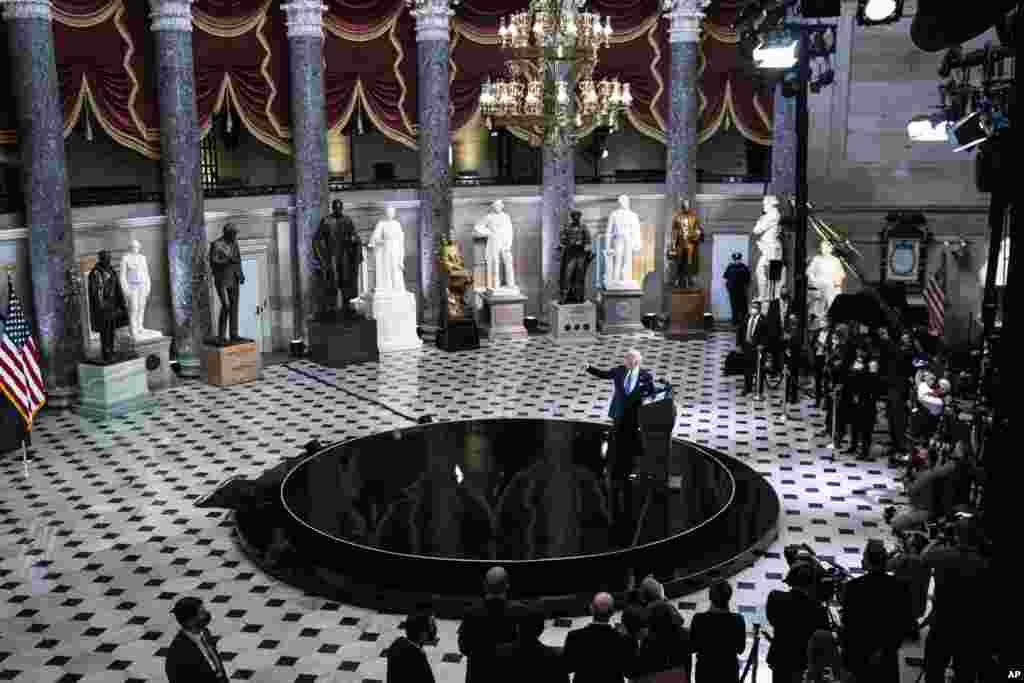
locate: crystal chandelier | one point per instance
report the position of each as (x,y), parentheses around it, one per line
(550,91)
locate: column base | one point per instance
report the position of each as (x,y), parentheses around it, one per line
(396,322)
(621,311)
(503,315)
(461,334)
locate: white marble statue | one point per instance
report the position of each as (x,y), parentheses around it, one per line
(496,226)
(135,284)
(388,244)
(825,273)
(769,243)
(623,237)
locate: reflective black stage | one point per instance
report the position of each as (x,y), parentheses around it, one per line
(391,517)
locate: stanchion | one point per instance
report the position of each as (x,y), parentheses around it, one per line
(835,413)
(785,394)
(24,456)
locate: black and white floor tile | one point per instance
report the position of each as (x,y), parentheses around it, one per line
(101,536)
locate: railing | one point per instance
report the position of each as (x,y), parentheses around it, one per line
(102,196)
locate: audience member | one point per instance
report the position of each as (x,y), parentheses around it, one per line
(823,661)
(193,655)
(528,659)
(936,492)
(961,612)
(633,622)
(793,615)
(718,637)
(407,663)
(666,653)
(486,626)
(598,653)
(876,616)
(755,335)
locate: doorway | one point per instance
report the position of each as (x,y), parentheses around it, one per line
(723,246)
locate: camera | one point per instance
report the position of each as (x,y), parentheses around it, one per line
(827,578)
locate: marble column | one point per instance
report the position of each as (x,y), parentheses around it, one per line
(183,189)
(559,192)
(47,209)
(309,142)
(433,104)
(681,136)
(784,141)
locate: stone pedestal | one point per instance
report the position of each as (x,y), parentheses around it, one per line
(503,315)
(686,314)
(621,311)
(112,390)
(395,315)
(341,343)
(235,364)
(573,323)
(461,334)
(156,351)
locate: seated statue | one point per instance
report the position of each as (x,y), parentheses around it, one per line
(459,279)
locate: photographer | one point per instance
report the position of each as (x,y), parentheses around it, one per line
(961,618)
(876,613)
(794,616)
(938,491)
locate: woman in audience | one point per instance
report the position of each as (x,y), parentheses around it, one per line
(665,654)
(824,665)
(718,637)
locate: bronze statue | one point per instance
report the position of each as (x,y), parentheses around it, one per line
(459,279)
(226,265)
(687,234)
(108,308)
(576,257)
(339,252)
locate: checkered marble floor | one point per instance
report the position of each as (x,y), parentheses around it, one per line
(101,536)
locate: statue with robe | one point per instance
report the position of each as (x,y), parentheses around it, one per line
(623,243)
(687,234)
(576,257)
(388,244)
(339,252)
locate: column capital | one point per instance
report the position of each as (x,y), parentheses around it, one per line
(686,16)
(171,15)
(305,18)
(26,9)
(431,18)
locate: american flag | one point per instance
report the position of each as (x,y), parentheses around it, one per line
(935,299)
(20,378)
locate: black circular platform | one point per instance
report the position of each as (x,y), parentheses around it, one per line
(417,515)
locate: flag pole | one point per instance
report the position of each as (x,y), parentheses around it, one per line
(24,456)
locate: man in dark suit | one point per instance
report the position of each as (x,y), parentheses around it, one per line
(794,616)
(632,385)
(528,659)
(226,265)
(486,626)
(193,655)
(876,615)
(407,663)
(755,333)
(598,653)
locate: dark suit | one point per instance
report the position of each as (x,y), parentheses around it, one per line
(876,614)
(794,618)
(488,625)
(186,664)
(718,637)
(597,653)
(531,661)
(226,264)
(407,663)
(752,337)
(737,280)
(624,411)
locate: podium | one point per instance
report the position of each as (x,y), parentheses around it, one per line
(657,417)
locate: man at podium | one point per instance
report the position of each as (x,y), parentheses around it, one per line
(632,384)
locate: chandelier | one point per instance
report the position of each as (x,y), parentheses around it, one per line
(550,90)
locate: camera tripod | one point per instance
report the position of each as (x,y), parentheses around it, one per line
(753,656)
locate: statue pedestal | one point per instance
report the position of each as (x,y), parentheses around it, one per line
(573,323)
(621,310)
(686,314)
(235,364)
(459,334)
(156,350)
(395,314)
(108,391)
(503,315)
(343,342)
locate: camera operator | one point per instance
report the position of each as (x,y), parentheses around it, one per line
(876,614)
(962,626)
(940,490)
(794,616)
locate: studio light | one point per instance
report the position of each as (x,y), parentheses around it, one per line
(876,12)
(927,129)
(778,50)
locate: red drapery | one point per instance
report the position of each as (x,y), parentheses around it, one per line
(106,65)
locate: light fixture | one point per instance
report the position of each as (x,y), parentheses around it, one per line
(876,12)
(604,153)
(926,128)
(777,50)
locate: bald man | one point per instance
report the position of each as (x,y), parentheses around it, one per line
(632,384)
(598,653)
(486,627)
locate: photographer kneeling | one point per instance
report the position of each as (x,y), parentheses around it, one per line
(794,616)
(876,614)
(938,491)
